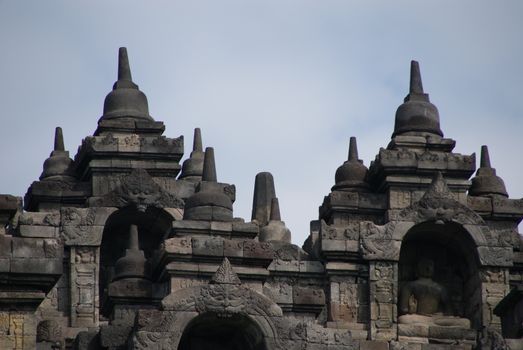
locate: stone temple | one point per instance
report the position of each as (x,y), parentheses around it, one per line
(124,247)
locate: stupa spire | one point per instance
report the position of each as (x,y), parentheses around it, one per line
(353,149)
(416,116)
(416,86)
(124,70)
(209,166)
(197,141)
(58,165)
(486,182)
(192,168)
(210,202)
(126,100)
(58,139)
(352,174)
(485,158)
(133,263)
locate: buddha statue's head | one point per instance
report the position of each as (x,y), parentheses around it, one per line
(425,268)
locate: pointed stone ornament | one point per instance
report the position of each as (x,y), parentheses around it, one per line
(486,182)
(209,166)
(126,101)
(485,158)
(416,86)
(133,264)
(58,166)
(192,168)
(417,116)
(438,188)
(352,174)
(209,202)
(59,140)
(263,194)
(197,141)
(124,70)
(353,149)
(225,274)
(275,230)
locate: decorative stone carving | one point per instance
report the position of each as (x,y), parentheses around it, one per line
(139,189)
(49,331)
(225,274)
(377,243)
(437,204)
(84,286)
(78,227)
(222,299)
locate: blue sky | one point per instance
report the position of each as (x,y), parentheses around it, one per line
(276,86)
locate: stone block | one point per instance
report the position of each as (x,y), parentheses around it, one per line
(495,256)
(221,226)
(480,204)
(411,340)
(398,345)
(37,266)
(28,248)
(343,312)
(284,266)
(413,330)
(257,250)
(40,218)
(191,225)
(438,332)
(374,345)
(333,245)
(6,246)
(308,295)
(38,231)
(341,266)
(232,248)
(311,267)
(182,245)
(245,227)
(280,292)
(209,246)
(352,246)
(399,199)
(445,347)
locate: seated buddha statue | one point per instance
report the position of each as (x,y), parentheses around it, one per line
(426,301)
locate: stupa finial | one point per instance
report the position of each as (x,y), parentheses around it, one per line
(416,86)
(485,158)
(58,139)
(197,141)
(209,166)
(124,70)
(353,149)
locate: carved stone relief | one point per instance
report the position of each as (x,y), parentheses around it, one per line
(139,189)
(84,286)
(438,204)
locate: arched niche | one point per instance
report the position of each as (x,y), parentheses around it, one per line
(456,265)
(208,331)
(154,225)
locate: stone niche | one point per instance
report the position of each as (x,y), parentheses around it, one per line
(209,331)
(451,252)
(154,225)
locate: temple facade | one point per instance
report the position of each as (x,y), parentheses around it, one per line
(125,247)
